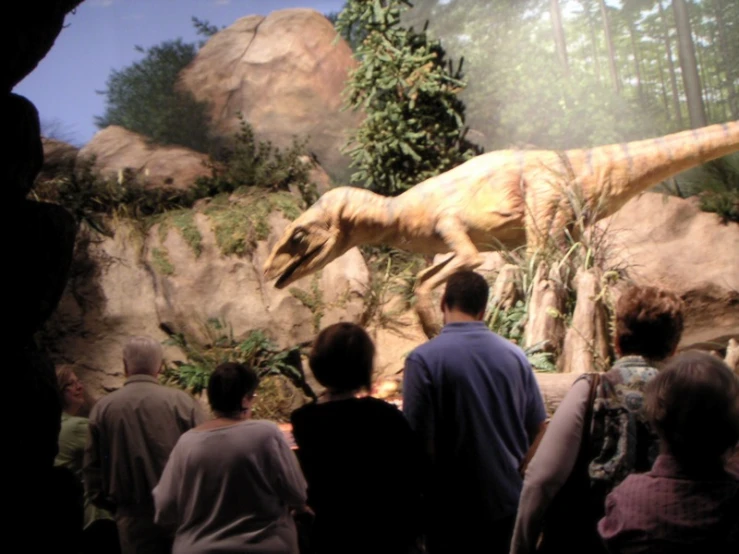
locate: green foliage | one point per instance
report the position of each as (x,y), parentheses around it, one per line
(313,300)
(247,166)
(204,28)
(144,98)
(583,247)
(392,277)
(89,196)
(725,203)
(716,184)
(508,323)
(248,162)
(353,34)
(720,194)
(521,95)
(256,350)
(542,361)
(161,261)
(241,221)
(184,221)
(415,124)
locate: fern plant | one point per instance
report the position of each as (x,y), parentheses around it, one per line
(256,351)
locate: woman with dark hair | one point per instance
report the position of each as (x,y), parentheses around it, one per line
(230,484)
(599,434)
(688,502)
(363,464)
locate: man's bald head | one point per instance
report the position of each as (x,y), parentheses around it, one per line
(142,356)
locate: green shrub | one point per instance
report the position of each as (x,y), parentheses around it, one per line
(256,350)
(144,98)
(248,166)
(415,122)
(251,163)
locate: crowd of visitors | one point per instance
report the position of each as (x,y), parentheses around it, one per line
(641,458)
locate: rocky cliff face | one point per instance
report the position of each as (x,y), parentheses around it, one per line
(185,269)
(285,73)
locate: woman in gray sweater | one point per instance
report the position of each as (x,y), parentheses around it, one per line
(231,483)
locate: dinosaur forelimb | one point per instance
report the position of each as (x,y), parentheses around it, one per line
(465,257)
(427,314)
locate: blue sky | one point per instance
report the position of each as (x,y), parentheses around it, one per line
(101,36)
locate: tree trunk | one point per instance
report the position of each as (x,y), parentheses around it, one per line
(728,63)
(611,49)
(689,66)
(637,63)
(671,66)
(559,35)
(505,291)
(587,8)
(543,326)
(663,89)
(586,342)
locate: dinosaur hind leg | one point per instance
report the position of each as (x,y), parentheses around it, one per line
(465,256)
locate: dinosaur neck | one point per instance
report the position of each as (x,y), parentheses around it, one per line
(629,169)
(368,218)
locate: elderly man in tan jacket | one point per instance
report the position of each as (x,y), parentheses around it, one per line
(132,432)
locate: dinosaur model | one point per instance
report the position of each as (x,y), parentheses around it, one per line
(502,199)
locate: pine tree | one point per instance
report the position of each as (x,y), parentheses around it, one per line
(415,122)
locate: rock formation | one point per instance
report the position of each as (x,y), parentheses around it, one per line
(285,73)
(192,267)
(116,149)
(668,241)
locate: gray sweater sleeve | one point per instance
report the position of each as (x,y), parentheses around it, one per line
(550,467)
(287,476)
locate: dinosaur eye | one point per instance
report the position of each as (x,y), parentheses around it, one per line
(298,236)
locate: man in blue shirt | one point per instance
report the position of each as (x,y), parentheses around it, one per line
(472,397)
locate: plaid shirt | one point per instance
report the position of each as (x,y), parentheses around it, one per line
(664,511)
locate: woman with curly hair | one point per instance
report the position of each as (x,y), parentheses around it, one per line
(599,434)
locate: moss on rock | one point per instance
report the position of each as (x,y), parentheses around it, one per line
(243,220)
(184,221)
(160,260)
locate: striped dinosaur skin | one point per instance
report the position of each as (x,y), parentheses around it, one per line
(502,199)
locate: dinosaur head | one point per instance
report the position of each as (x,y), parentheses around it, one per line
(308,244)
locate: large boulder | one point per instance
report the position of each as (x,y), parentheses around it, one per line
(669,242)
(285,73)
(116,150)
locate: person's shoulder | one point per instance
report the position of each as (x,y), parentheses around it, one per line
(635,486)
(261,427)
(76,422)
(380,406)
(179,395)
(304,413)
(104,403)
(433,347)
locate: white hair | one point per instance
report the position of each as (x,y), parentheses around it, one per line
(142,355)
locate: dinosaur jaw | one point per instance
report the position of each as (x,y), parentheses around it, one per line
(298,268)
(288,263)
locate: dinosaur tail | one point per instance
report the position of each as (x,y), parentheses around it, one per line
(621,171)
